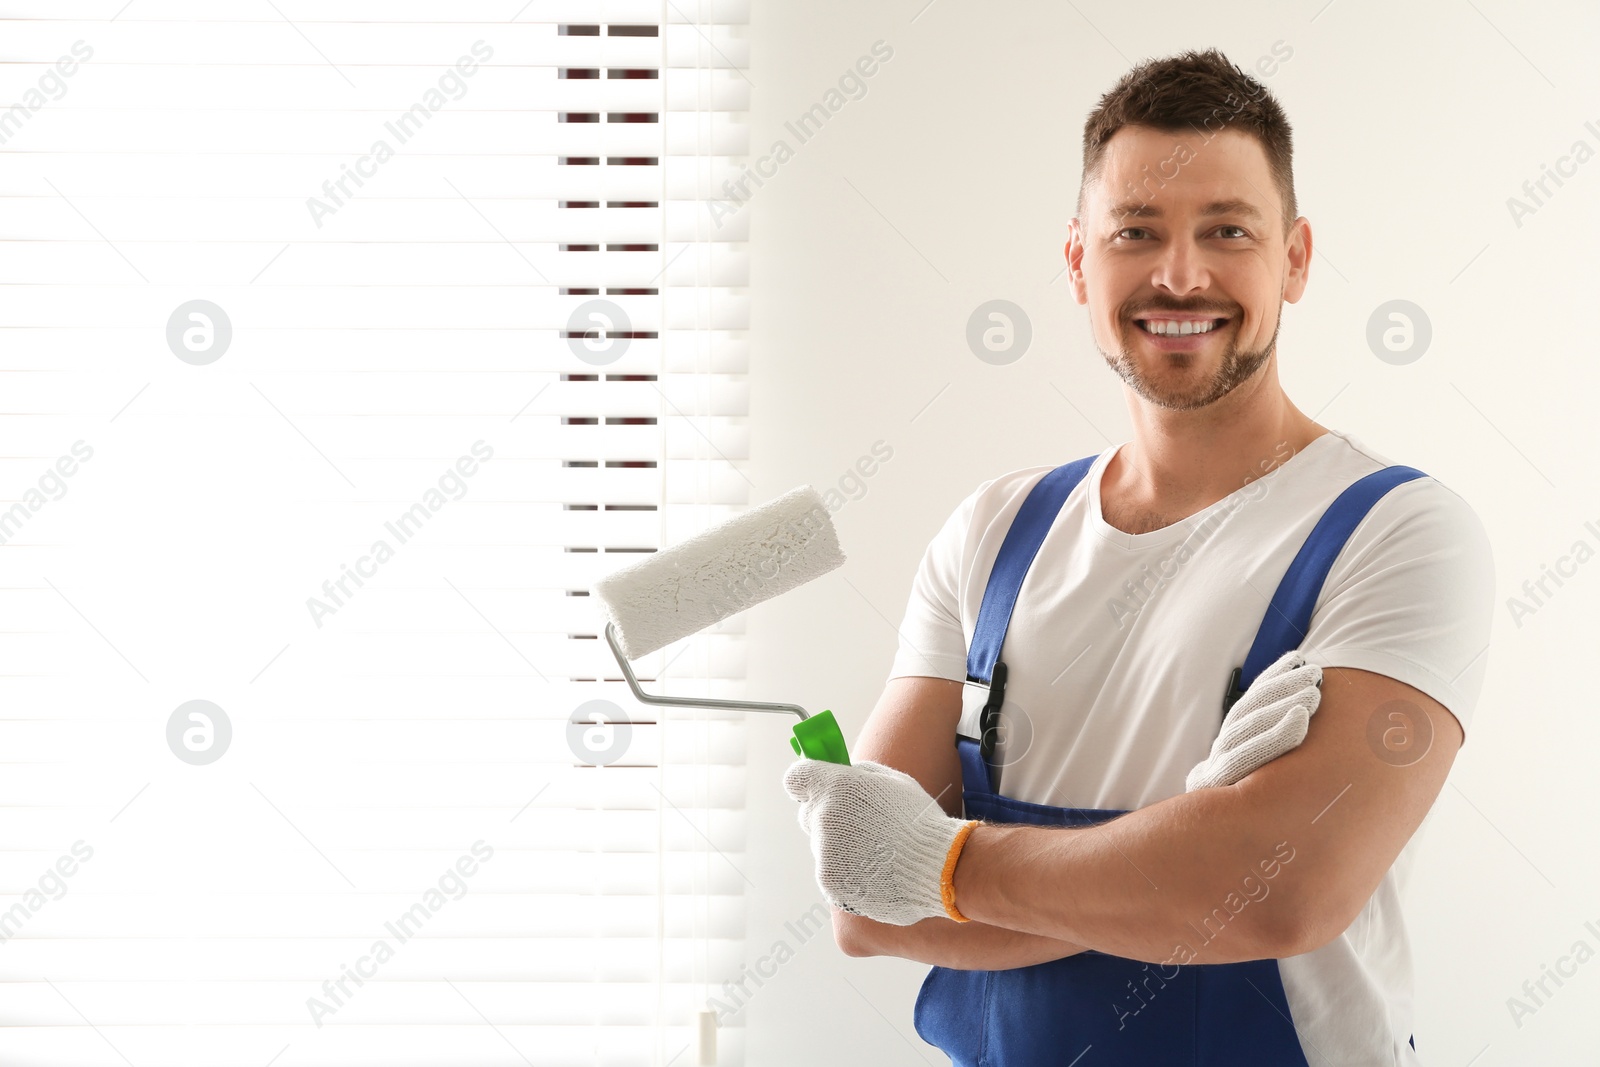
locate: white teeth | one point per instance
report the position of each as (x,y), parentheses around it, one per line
(1171,328)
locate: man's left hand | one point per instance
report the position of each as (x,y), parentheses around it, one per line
(884,847)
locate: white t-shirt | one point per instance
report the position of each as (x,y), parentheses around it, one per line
(1121,646)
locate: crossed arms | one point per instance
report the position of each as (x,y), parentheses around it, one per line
(1200,877)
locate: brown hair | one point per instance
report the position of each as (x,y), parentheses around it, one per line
(1201,91)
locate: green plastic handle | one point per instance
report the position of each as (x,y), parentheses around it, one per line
(819,737)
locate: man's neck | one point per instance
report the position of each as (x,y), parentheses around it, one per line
(1183,461)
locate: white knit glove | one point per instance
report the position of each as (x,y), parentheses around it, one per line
(884,847)
(1269,720)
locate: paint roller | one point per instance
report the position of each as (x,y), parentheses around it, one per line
(720,572)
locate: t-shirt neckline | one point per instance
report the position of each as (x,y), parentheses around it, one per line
(1181,528)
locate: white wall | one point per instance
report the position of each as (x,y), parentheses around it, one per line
(1413,125)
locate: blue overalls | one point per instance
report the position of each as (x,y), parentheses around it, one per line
(1129,1011)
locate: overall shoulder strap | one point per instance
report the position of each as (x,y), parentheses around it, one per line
(1016,555)
(1288,616)
(1017,550)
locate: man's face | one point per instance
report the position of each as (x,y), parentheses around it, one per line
(1181,228)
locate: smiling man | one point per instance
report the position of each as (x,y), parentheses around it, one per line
(1198,854)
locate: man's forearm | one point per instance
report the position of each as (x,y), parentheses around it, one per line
(1185,880)
(968,946)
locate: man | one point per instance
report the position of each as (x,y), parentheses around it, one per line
(1152,883)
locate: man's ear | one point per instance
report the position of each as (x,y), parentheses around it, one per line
(1073,251)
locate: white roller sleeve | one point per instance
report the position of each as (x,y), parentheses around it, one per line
(719,572)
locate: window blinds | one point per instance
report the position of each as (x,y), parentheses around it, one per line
(347,343)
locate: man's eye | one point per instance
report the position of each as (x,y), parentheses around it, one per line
(1141,230)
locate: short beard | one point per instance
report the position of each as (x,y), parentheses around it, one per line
(1237,367)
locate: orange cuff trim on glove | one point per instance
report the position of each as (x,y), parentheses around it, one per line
(947,883)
